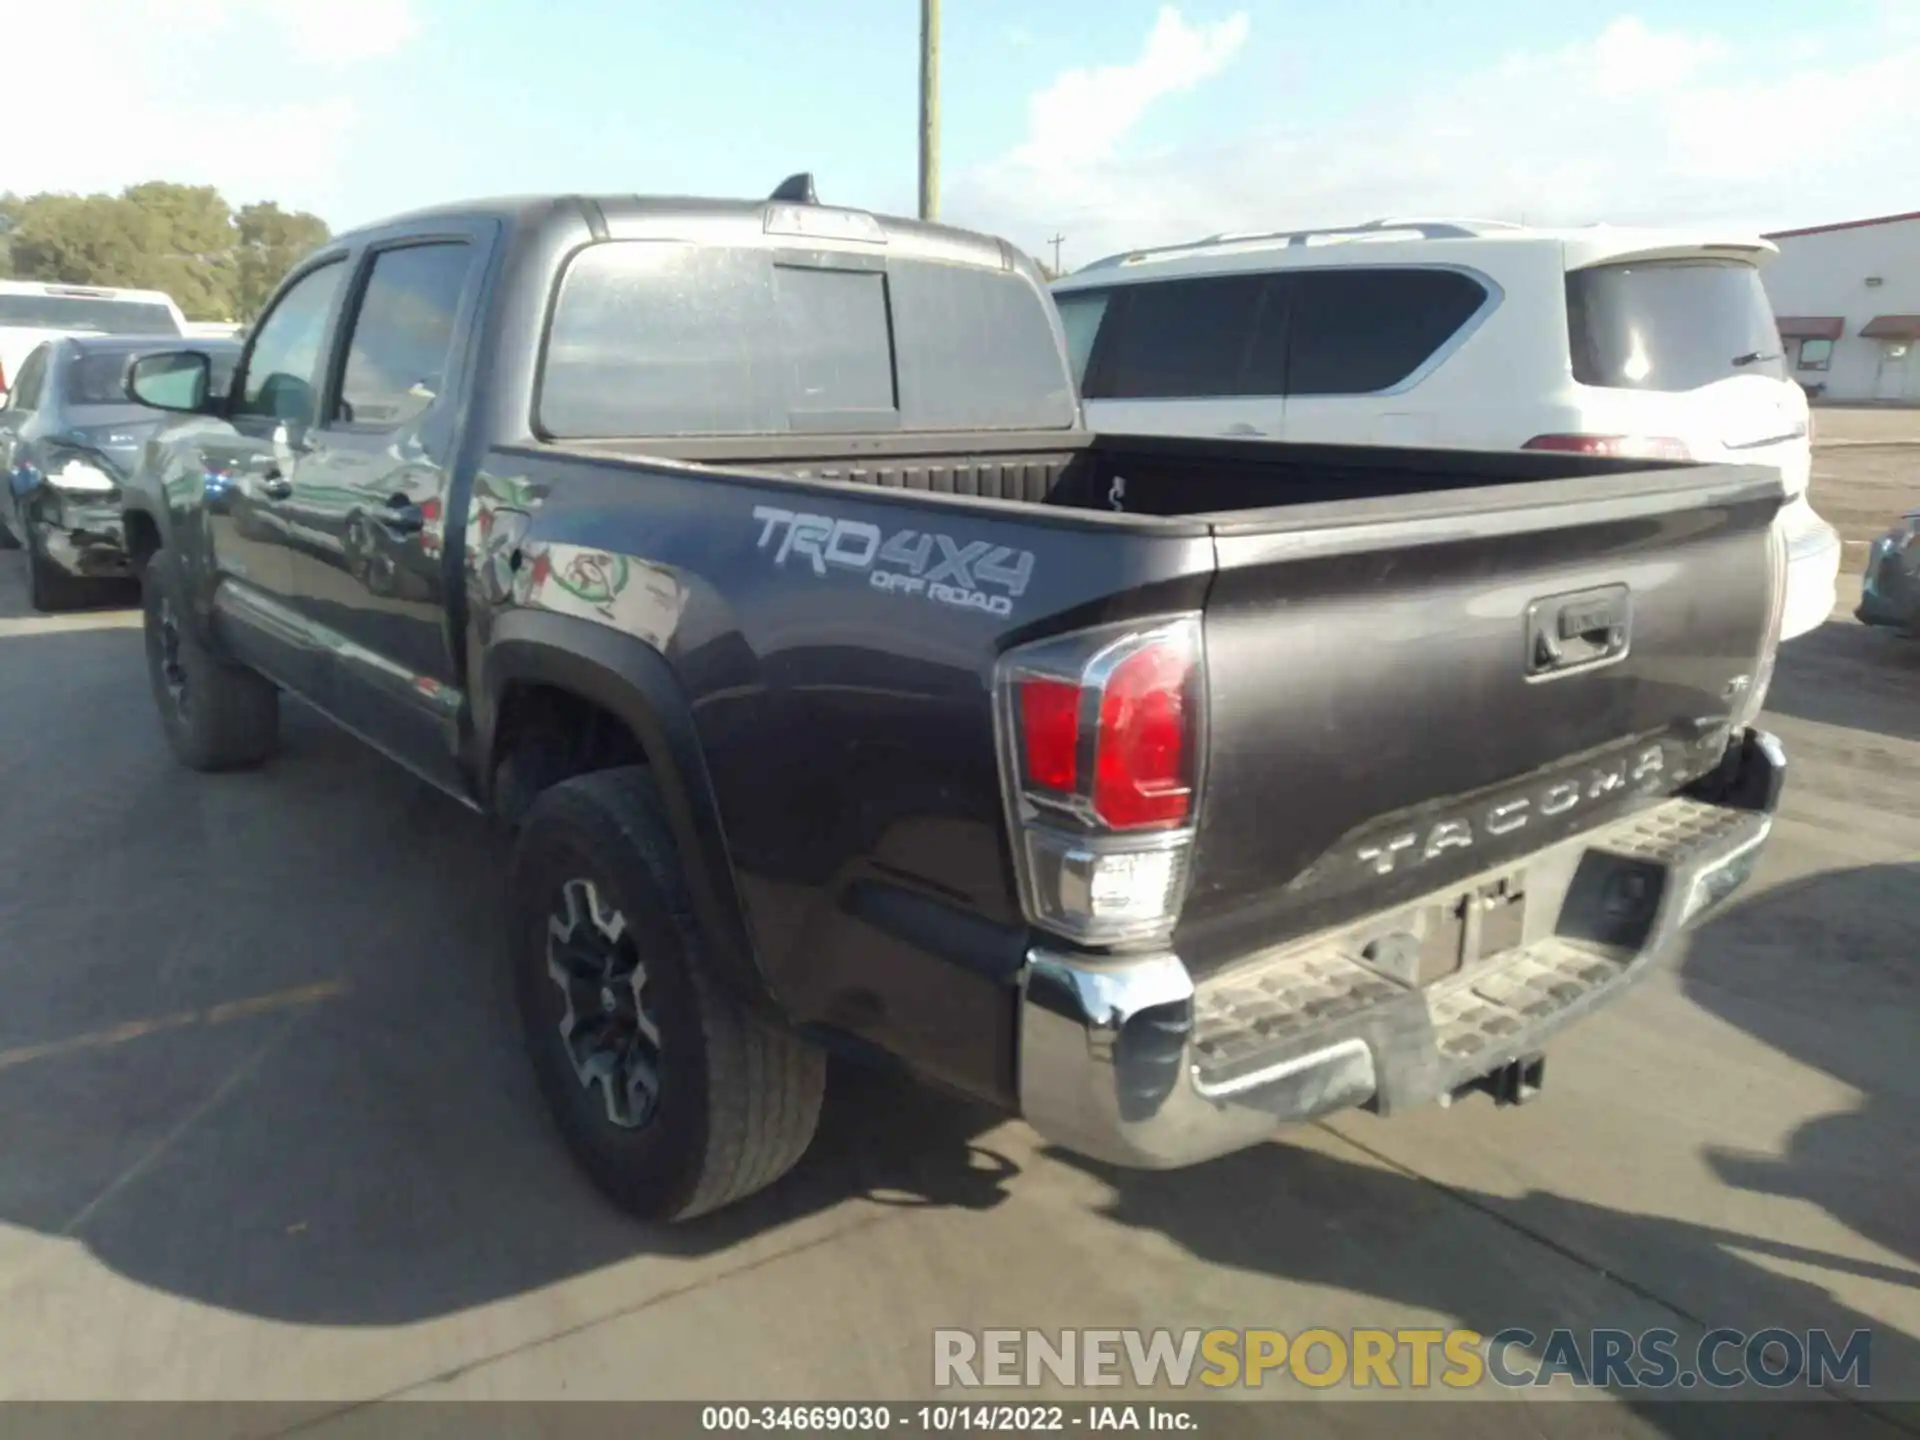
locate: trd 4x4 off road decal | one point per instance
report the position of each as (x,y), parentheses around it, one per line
(907,562)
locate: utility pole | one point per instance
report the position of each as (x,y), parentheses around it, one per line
(1056,242)
(929,109)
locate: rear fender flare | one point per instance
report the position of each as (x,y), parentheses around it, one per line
(627,677)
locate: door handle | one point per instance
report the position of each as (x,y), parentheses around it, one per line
(402,516)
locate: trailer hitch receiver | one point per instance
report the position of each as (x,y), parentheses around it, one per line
(1514,1083)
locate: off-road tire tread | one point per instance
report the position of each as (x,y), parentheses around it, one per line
(764,1084)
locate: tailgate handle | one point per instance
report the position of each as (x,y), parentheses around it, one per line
(1578,630)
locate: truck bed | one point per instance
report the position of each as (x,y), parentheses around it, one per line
(1159,476)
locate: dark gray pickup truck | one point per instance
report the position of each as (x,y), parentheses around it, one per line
(750,560)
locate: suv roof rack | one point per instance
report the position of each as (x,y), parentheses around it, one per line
(1473,225)
(1426,229)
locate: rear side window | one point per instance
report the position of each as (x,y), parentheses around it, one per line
(403,334)
(653,338)
(1178,339)
(86,314)
(1670,325)
(1298,332)
(1355,332)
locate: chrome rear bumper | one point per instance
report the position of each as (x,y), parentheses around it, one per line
(1128,1061)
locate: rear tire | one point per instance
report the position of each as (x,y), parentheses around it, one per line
(216,715)
(674,1098)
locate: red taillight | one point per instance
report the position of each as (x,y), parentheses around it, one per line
(1050,734)
(1144,744)
(1635,447)
(1143,749)
(1142,772)
(1101,733)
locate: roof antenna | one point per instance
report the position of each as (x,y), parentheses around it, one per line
(797,189)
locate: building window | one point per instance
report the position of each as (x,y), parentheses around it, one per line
(1815,354)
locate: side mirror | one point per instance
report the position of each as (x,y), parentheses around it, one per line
(176,380)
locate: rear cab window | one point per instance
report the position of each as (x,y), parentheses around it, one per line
(653,338)
(1670,325)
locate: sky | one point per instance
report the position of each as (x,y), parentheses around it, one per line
(1109,123)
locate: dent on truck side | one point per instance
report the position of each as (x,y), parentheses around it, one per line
(595,623)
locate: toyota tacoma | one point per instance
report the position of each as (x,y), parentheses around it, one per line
(751,562)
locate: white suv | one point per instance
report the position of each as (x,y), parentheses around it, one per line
(32,312)
(1472,334)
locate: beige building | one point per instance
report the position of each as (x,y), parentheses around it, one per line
(1847,297)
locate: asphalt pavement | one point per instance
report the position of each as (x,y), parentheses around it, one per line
(265,1130)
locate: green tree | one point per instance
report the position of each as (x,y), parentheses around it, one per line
(183,239)
(271,242)
(12,208)
(192,231)
(82,240)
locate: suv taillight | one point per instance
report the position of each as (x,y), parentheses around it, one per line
(1101,736)
(1636,447)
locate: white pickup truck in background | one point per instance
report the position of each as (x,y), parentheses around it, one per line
(31,312)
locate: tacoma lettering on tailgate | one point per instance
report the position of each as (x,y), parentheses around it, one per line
(1641,772)
(906,562)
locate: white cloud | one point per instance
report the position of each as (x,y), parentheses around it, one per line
(343,31)
(1635,124)
(1629,59)
(199,91)
(1083,115)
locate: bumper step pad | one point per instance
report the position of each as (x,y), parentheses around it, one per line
(1262,1011)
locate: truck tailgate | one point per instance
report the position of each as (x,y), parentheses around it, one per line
(1408,691)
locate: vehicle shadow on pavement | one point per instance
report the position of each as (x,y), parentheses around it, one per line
(1852,676)
(1378,1232)
(1825,970)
